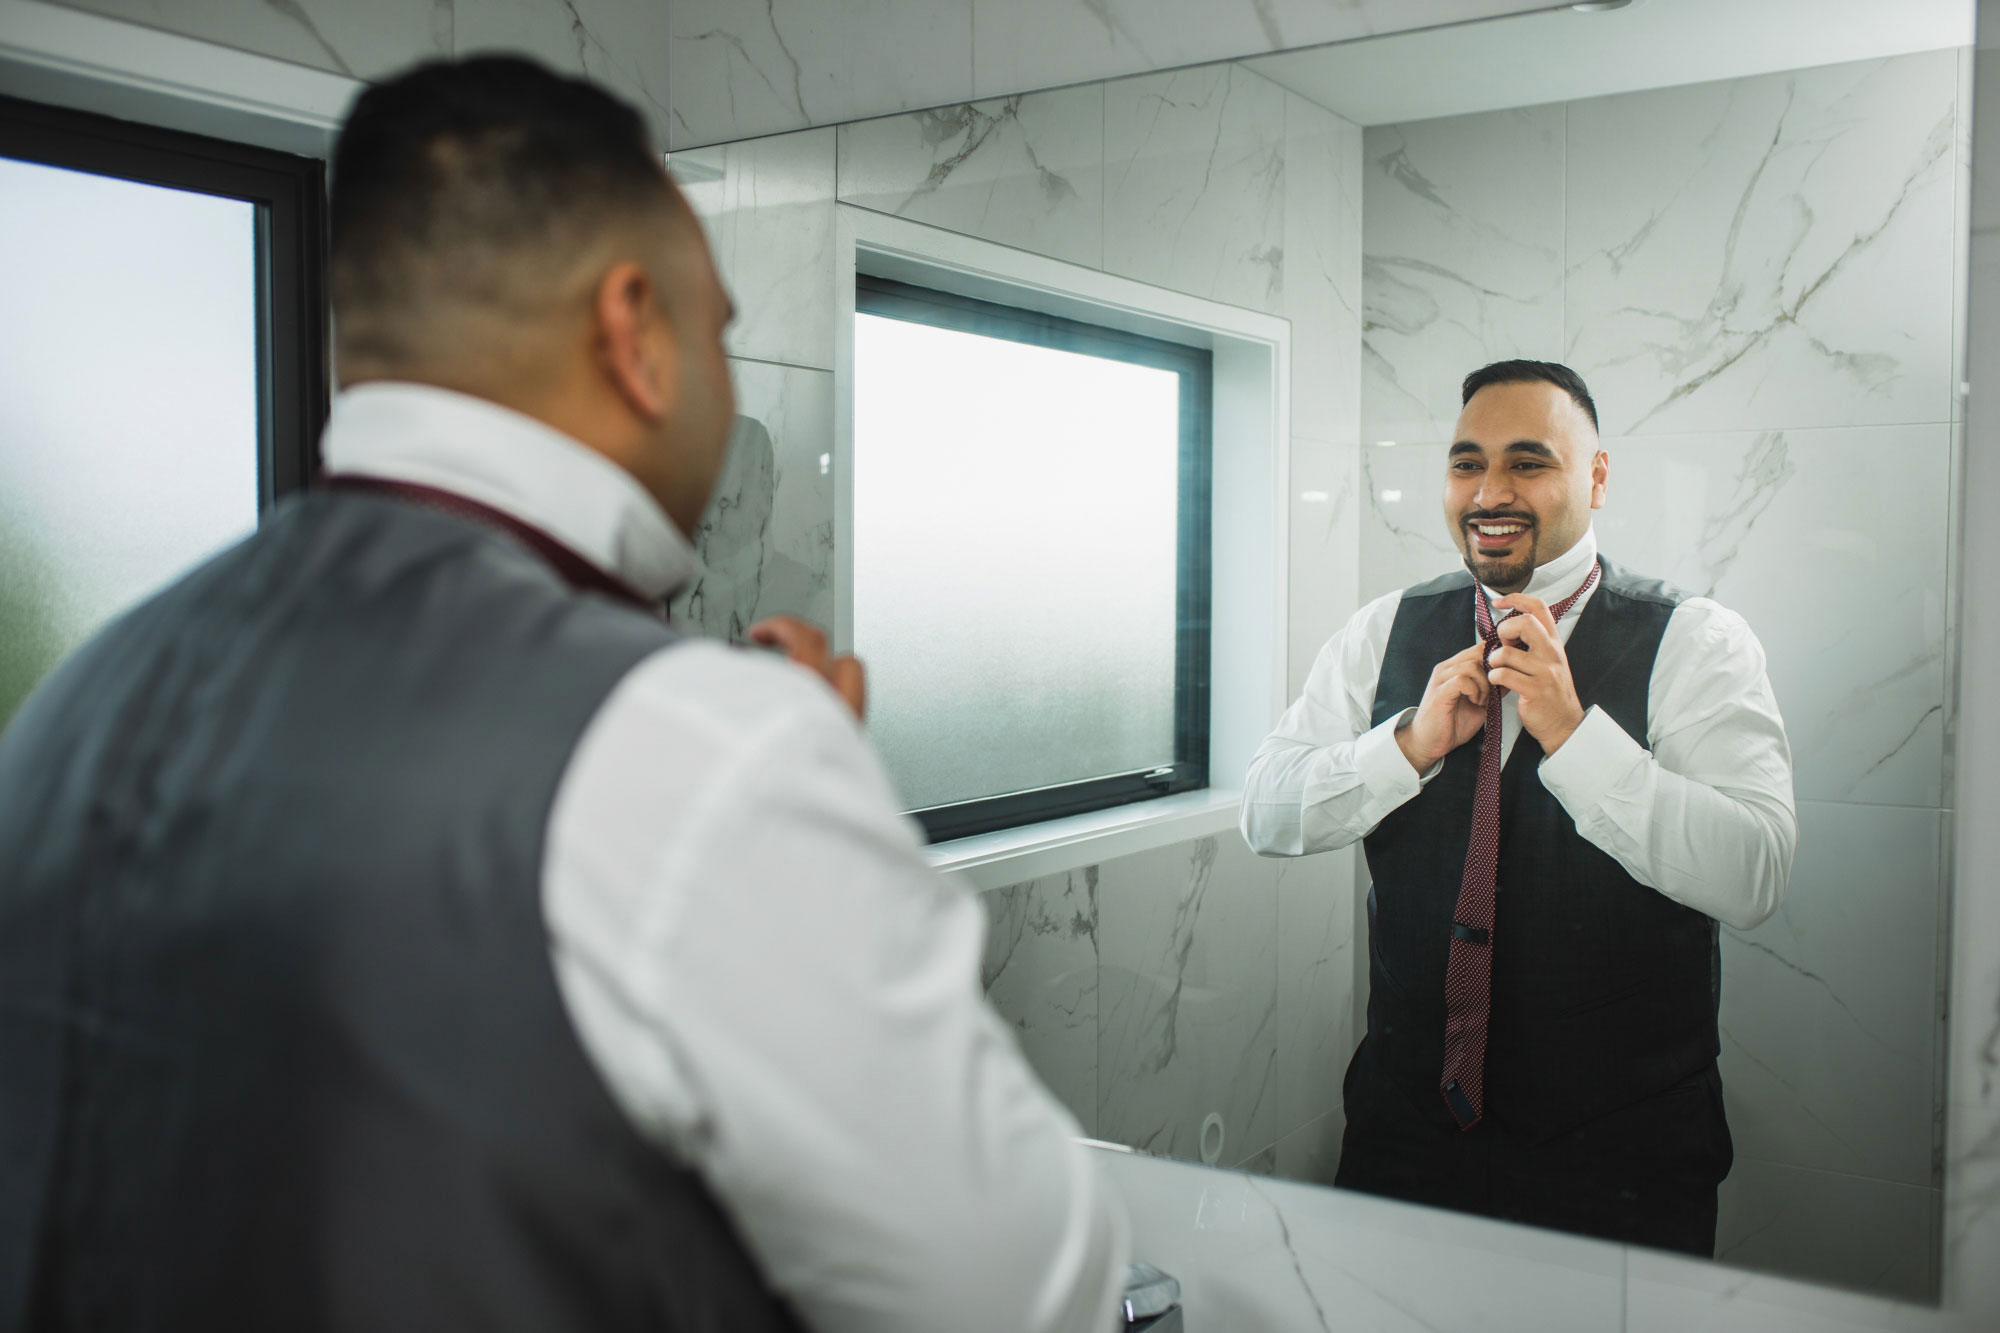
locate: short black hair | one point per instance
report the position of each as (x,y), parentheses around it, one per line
(447,174)
(1526,372)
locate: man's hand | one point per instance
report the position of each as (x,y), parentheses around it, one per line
(1452,711)
(1531,662)
(806,644)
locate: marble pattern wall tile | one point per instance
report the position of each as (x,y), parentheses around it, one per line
(1040,973)
(1022,171)
(767,206)
(1462,260)
(1316,963)
(1325,551)
(743,70)
(364,39)
(1972,1113)
(766,542)
(1727,274)
(1322,244)
(1868,1235)
(1194,184)
(1773,526)
(620,43)
(1311,1153)
(1187,998)
(740,70)
(1829,1009)
(1404,540)
(1038,43)
(1961,256)
(1226,987)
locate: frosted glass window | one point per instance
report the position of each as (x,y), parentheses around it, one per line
(128,400)
(1018,560)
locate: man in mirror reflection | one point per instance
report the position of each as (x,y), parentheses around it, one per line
(402,927)
(1566,777)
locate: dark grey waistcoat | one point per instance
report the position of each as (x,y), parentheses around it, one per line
(281,1045)
(1604,990)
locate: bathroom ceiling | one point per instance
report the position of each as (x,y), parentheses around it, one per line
(1562,55)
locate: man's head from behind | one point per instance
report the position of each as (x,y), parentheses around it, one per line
(1524,470)
(509,233)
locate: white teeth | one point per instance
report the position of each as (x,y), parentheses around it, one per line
(1502,530)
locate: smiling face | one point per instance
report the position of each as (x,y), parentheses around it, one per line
(1524,473)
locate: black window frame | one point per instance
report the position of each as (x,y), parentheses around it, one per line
(1195,365)
(289,195)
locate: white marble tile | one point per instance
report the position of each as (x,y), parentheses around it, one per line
(1187,998)
(1829,1009)
(1022,171)
(1766,253)
(1194,184)
(1821,1226)
(1400,494)
(767,206)
(1961,231)
(744,70)
(1324,568)
(1323,288)
(1463,264)
(1960,386)
(1310,1154)
(1794,530)
(1264,1162)
(1040,973)
(1316,962)
(766,542)
(1039,43)
(362,38)
(1254,1253)
(1972,1111)
(620,43)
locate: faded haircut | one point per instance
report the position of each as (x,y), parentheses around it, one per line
(1532,372)
(476,187)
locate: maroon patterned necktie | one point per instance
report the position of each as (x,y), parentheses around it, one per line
(1468,978)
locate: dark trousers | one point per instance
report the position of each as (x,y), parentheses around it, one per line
(1644,1174)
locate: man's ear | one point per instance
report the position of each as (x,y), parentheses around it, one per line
(635,340)
(1600,476)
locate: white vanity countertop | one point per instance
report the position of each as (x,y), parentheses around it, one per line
(1253,1253)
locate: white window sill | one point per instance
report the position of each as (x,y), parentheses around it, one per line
(1011,856)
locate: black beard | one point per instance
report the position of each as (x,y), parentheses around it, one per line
(1507,578)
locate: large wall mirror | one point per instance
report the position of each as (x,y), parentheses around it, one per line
(1743,223)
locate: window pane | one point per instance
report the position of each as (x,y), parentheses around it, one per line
(1015,560)
(128,400)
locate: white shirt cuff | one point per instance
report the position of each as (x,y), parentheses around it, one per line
(1386,774)
(1595,759)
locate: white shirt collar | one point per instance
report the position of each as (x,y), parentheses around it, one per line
(518,465)
(1559,577)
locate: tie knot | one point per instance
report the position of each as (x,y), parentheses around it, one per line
(1489,629)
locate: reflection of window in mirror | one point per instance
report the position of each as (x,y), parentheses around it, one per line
(1031,558)
(206,250)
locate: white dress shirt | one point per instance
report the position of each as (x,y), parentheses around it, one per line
(1700,810)
(777,988)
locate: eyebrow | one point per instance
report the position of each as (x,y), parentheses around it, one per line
(1535,447)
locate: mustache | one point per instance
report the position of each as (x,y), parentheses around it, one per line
(1495,516)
